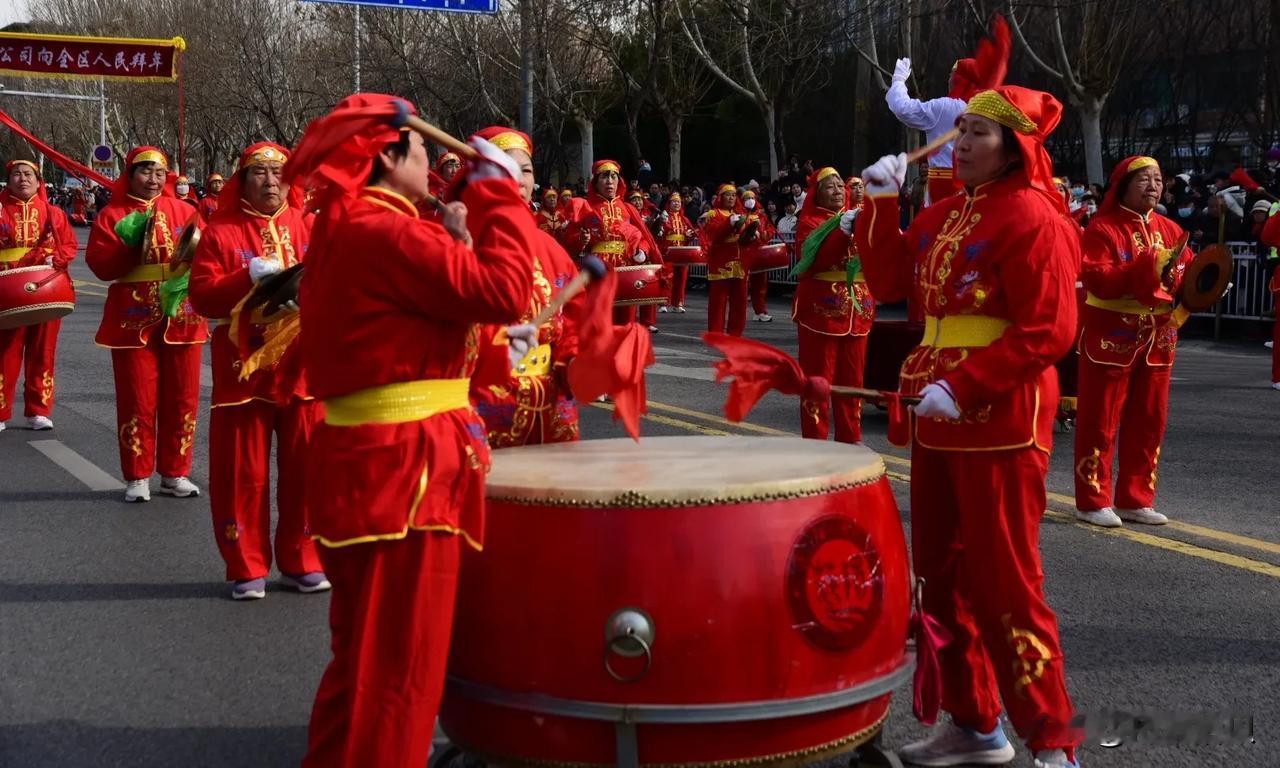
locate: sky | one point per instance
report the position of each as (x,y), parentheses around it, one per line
(13,10)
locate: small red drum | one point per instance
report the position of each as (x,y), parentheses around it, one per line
(680,601)
(639,284)
(684,255)
(33,295)
(768,257)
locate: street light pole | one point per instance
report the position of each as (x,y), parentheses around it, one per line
(356,33)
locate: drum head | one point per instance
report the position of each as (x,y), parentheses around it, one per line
(1206,278)
(678,471)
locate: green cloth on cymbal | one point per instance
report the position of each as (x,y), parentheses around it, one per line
(173,292)
(132,227)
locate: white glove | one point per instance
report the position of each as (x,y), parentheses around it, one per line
(666,216)
(260,267)
(493,163)
(902,70)
(48,260)
(291,305)
(846,220)
(521,339)
(886,175)
(640,257)
(936,402)
(735,219)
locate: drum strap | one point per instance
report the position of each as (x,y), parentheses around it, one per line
(398,403)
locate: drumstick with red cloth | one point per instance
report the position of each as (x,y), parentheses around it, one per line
(757,367)
(589,268)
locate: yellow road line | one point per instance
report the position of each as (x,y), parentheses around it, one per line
(1161,542)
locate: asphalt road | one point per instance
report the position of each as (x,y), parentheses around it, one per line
(118,646)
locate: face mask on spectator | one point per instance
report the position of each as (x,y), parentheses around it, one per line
(749,204)
(1077,191)
(1092,208)
(1185,212)
(181,189)
(1074,206)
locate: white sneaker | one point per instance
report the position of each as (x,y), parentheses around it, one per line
(1274,385)
(680,308)
(39,423)
(1105,517)
(653,329)
(2,427)
(1269,344)
(765,317)
(949,744)
(137,490)
(1144,515)
(180,487)
(664,309)
(1054,758)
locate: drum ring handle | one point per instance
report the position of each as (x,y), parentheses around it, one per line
(630,636)
(30,287)
(639,284)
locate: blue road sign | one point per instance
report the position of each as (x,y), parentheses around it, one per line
(452,6)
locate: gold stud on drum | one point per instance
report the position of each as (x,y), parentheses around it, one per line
(628,633)
(30,287)
(639,284)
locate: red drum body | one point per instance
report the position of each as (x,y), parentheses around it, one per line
(684,255)
(680,601)
(33,295)
(769,257)
(639,284)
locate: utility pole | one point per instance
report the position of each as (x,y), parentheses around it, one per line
(526,66)
(356,34)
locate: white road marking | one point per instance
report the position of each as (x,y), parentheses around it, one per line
(76,465)
(206,375)
(685,354)
(699,374)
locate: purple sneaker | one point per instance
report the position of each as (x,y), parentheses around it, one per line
(306,583)
(249,589)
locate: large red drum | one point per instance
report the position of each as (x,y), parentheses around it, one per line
(769,257)
(639,284)
(684,255)
(680,601)
(32,295)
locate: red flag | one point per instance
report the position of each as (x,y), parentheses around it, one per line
(611,358)
(757,368)
(1241,177)
(57,158)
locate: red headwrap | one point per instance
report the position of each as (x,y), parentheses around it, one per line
(336,152)
(256,154)
(143,154)
(988,66)
(1032,116)
(737,203)
(446,158)
(1111,200)
(810,206)
(634,217)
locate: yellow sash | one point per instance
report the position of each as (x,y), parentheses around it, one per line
(398,403)
(1127,306)
(952,331)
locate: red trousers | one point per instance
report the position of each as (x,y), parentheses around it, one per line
(157,393)
(648,314)
(240,486)
(31,348)
(975,540)
(759,289)
(728,294)
(391,616)
(679,282)
(840,360)
(624,315)
(1134,401)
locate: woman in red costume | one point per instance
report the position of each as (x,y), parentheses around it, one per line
(994,269)
(761,228)
(213,189)
(726,275)
(155,357)
(261,231)
(32,233)
(530,403)
(676,230)
(1131,272)
(549,218)
(609,227)
(397,467)
(833,309)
